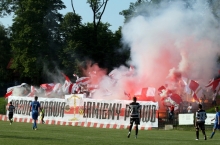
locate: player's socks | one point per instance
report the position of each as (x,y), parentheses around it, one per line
(212,134)
(136,130)
(197,134)
(205,138)
(129,133)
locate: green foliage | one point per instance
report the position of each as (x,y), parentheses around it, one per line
(3,104)
(7,7)
(35,35)
(147,7)
(42,40)
(79,46)
(5,56)
(210,110)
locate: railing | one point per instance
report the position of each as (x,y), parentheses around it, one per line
(164,119)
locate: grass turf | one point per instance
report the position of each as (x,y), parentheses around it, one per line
(22,134)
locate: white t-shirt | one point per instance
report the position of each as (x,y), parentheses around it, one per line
(214,96)
(189,109)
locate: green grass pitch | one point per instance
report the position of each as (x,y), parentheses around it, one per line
(22,134)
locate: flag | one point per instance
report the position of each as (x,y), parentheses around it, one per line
(176,98)
(67,84)
(48,88)
(66,78)
(192,88)
(83,81)
(161,89)
(70,88)
(214,84)
(9,93)
(32,93)
(195,87)
(11,89)
(56,88)
(146,94)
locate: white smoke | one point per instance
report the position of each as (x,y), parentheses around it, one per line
(172,36)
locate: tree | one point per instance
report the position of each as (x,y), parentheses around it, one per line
(92,42)
(35,35)
(70,32)
(5,56)
(145,9)
(98,9)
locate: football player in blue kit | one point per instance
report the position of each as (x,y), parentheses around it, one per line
(217,122)
(34,108)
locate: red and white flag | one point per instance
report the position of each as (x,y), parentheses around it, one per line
(192,88)
(67,86)
(195,87)
(11,89)
(161,90)
(83,81)
(9,93)
(56,88)
(32,93)
(146,94)
(214,84)
(48,88)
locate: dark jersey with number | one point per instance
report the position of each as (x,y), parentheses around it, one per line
(134,109)
(11,108)
(201,116)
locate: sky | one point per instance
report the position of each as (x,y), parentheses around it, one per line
(111,14)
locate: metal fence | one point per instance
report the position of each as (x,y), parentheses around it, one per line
(164,119)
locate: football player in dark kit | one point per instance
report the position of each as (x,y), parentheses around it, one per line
(134,116)
(200,122)
(11,109)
